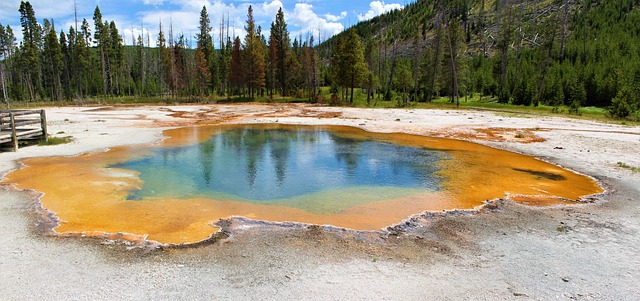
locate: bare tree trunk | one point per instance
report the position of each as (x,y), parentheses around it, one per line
(436,58)
(104,71)
(416,65)
(353,83)
(393,63)
(565,14)
(4,89)
(544,66)
(454,79)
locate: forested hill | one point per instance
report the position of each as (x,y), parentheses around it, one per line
(554,52)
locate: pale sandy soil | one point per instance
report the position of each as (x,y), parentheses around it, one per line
(583,252)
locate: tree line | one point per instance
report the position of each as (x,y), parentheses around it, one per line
(92,62)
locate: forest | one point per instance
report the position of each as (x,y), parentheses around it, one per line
(92,64)
(559,53)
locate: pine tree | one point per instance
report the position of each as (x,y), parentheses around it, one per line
(31,41)
(281,46)
(294,65)
(403,80)
(82,60)
(67,45)
(272,61)
(177,69)
(7,50)
(116,57)
(101,37)
(236,68)
(348,62)
(311,65)
(205,44)
(253,57)
(203,73)
(164,61)
(52,53)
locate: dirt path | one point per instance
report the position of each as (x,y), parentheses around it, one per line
(586,252)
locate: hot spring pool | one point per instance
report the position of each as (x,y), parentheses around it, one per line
(313,169)
(175,191)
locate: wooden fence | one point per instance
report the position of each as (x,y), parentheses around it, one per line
(16,125)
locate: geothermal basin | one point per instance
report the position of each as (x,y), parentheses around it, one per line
(176,191)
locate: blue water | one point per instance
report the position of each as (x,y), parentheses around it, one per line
(254,164)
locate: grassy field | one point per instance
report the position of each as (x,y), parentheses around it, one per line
(466,103)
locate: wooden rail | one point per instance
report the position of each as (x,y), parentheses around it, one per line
(16,125)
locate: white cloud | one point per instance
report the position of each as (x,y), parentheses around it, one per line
(334,18)
(377,8)
(271,9)
(153,2)
(308,21)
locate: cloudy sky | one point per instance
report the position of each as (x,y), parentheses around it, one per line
(323,18)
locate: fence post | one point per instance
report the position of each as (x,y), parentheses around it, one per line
(14,135)
(43,124)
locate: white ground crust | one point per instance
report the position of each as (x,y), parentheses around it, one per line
(586,252)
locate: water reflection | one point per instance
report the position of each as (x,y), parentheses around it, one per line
(186,189)
(269,164)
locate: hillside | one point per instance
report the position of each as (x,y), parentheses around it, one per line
(559,53)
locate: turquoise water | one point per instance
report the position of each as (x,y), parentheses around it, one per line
(294,166)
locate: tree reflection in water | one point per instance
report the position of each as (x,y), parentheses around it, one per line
(255,164)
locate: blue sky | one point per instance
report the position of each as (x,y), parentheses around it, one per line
(323,18)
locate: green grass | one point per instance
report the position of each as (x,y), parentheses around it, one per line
(443,103)
(629,167)
(55,141)
(507,110)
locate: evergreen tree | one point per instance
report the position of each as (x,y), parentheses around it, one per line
(7,50)
(52,53)
(203,73)
(236,68)
(101,37)
(403,80)
(279,39)
(271,63)
(29,52)
(253,57)
(116,58)
(82,59)
(67,45)
(348,62)
(164,57)
(311,70)
(205,44)
(294,66)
